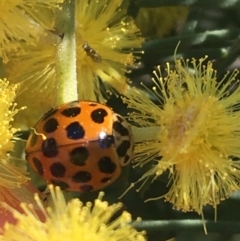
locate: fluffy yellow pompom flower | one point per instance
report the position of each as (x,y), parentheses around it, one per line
(17,23)
(10,176)
(199,132)
(105,38)
(72,221)
(36,82)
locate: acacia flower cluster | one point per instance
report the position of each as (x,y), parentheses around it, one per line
(106,39)
(11,176)
(199,131)
(36,81)
(71,221)
(105,27)
(20,21)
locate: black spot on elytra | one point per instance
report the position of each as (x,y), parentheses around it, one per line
(38,165)
(98,115)
(58,169)
(49,148)
(50,125)
(82,177)
(106,179)
(86,188)
(123,148)
(33,139)
(106,141)
(49,114)
(117,126)
(71,112)
(79,156)
(106,165)
(75,131)
(61,184)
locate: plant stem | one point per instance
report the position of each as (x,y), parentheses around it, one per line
(66,73)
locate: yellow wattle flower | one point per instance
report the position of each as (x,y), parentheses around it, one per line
(10,175)
(104,27)
(19,22)
(198,117)
(105,38)
(35,69)
(71,221)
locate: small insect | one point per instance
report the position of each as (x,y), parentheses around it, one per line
(93,54)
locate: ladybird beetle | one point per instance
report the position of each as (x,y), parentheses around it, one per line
(80,146)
